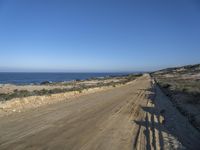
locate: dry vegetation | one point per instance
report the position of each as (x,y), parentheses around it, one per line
(182,85)
(76,85)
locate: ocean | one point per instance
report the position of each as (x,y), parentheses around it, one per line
(37,78)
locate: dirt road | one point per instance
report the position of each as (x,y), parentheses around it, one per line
(118,119)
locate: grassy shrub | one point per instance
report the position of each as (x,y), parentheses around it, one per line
(16,93)
(24,93)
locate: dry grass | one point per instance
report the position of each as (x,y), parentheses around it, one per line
(74,86)
(183,88)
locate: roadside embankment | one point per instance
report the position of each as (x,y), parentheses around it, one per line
(24,103)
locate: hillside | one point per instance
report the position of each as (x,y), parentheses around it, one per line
(189,69)
(182,85)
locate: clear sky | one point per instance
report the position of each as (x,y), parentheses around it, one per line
(98,35)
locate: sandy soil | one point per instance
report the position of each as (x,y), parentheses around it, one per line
(122,118)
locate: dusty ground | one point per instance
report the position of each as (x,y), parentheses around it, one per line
(122,118)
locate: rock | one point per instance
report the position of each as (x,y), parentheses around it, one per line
(162,120)
(45,83)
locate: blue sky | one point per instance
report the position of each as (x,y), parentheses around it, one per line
(98,35)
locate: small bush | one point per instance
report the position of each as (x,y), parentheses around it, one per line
(166,86)
(45,83)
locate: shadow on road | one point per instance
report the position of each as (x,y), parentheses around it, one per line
(160,124)
(151,126)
